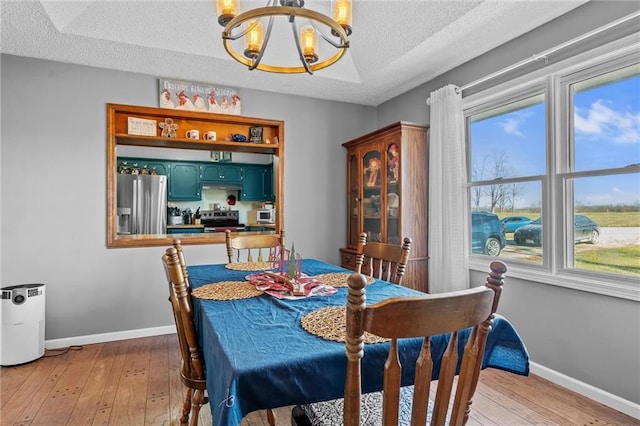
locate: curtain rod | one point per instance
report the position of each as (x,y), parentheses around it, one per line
(544,55)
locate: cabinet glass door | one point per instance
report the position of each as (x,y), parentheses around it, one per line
(372,163)
(353,203)
(393,193)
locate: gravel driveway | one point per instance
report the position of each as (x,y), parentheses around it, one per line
(612,237)
(609,237)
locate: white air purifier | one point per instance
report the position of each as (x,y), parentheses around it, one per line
(23,310)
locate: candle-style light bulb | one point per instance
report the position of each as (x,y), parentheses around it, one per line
(227,10)
(342,14)
(254,39)
(309,43)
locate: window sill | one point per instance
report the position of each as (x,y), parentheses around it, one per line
(624,288)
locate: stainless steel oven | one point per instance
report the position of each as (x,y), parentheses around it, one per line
(221,220)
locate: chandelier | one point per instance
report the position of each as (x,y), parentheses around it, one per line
(251,25)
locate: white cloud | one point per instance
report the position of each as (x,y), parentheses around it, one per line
(512,122)
(602,121)
(583,125)
(510,126)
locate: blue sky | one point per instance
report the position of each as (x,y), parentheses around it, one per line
(607,118)
(607,135)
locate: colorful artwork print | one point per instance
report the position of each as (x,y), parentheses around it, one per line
(372,169)
(199,97)
(394,162)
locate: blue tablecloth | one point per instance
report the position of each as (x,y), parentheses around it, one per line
(258,356)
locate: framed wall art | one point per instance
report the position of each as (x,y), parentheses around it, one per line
(200,97)
(255,134)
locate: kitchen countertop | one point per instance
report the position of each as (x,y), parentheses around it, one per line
(265,225)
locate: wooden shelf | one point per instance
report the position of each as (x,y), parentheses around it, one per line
(183,143)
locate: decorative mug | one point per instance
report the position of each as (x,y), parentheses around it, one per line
(209,136)
(193,134)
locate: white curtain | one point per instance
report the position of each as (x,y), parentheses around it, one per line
(448,242)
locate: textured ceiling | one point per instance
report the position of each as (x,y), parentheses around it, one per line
(396,45)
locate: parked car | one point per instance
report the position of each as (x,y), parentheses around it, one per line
(585,230)
(511,223)
(487,233)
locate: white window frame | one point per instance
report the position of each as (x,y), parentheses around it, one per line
(555,203)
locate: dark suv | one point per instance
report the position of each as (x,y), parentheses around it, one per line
(487,233)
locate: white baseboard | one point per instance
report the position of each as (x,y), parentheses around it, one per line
(610,400)
(109,337)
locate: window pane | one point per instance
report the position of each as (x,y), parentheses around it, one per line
(568,147)
(606,120)
(514,214)
(607,223)
(509,141)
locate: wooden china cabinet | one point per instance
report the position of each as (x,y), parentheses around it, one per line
(387,184)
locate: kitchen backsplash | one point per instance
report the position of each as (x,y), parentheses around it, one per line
(212,196)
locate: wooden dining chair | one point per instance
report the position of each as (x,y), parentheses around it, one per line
(192,370)
(382,260)
(401,317)
(177,244)
(243,248)
(186,329)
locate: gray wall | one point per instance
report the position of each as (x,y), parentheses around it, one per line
(589,337)
(54,197)
(53,205)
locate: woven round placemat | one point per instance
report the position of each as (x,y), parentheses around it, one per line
(249,266)
(339,279)
(226,290)
(331,324)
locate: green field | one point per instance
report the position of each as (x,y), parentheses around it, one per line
(621,260)
(604,219)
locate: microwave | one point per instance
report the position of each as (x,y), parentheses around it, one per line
(262,216)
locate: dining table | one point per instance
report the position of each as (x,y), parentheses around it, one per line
(258,355)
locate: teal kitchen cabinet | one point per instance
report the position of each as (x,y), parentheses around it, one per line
(258,228)
(185,178)
(199,230)
(184,182)
(227,173)
(257,183)
(268,183)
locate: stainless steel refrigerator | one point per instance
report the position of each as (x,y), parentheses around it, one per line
(141,204)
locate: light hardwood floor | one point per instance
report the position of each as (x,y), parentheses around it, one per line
(136,382)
